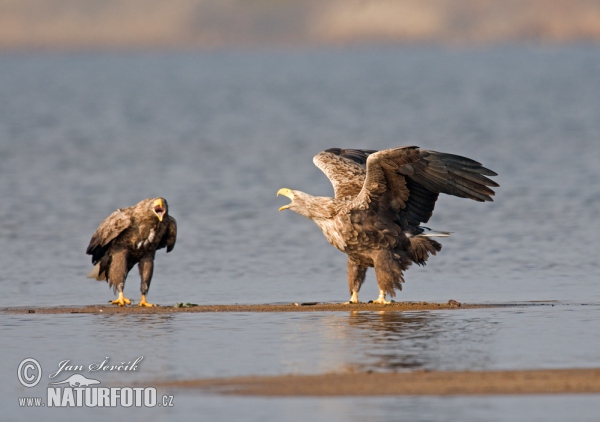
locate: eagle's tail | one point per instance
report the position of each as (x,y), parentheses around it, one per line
(99,272)
(422,245)
(95,273)
(432,233)
(426,232)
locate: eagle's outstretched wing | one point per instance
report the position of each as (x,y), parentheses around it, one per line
(170,236)
(109,229)
(408,180)
(345,168)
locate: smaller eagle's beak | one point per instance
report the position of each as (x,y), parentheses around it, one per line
(285,192)
(159,209)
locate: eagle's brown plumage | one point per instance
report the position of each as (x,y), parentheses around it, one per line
(131,236)
(381,198)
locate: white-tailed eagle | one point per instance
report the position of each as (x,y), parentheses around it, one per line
(381,200)
(131,236)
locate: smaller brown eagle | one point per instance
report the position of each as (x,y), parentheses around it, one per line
(381,199)
(131,236)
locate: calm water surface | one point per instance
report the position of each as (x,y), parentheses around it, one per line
(218,134)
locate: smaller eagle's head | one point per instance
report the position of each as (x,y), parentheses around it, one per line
(309,206)
(160,208)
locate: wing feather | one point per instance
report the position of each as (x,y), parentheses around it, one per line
(409,180)
(108,230)
(345,169)
(170,236)
(385,169)
(455,175)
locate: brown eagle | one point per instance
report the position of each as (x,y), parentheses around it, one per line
(131,236)
(381,199)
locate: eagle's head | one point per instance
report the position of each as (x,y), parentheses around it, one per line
(312,207)
(160,208)
(290,194)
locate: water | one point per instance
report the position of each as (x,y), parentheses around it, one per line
(218,134)
(187,346)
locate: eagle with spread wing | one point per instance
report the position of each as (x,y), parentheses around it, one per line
(131,236)
(381,200)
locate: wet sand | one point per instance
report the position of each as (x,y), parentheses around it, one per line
(552,381)
(291,307)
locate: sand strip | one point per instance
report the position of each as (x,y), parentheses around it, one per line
(292,307)
(551,381)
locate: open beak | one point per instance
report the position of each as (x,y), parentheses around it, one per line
(159,209)
(285,192)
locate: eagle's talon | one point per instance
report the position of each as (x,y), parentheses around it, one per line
(145,304)
(121,300)
(353,299)
(381,300)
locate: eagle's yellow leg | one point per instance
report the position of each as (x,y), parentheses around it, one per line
(353,299)
(144,303)
(121,300)
(381,299)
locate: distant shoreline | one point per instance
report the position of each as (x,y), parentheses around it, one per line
(89,25)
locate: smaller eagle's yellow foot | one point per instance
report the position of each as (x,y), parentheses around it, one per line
(121,300)
(143,302)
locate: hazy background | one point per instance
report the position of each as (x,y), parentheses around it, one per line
(133,24)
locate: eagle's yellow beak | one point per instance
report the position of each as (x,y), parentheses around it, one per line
(285,192)
(159,208)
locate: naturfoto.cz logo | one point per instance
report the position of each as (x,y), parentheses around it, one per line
(78,390)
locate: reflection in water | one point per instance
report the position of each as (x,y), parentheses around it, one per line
(397,341)
(129,336)
(388,331)
(144,325)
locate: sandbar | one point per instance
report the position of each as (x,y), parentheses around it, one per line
(417,383)
(289,307)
